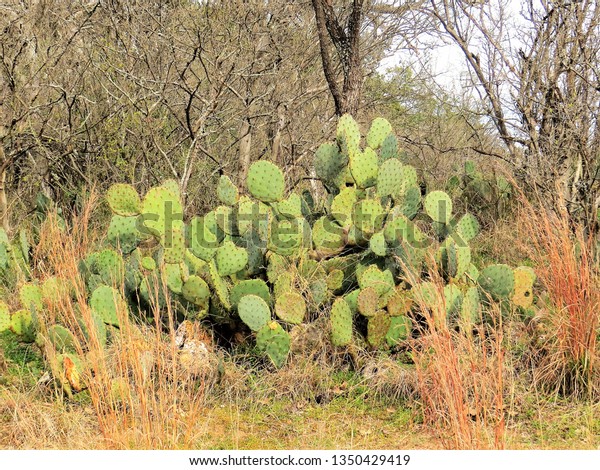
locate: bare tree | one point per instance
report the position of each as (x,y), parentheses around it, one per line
(540,79)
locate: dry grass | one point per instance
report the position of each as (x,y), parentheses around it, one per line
(566,358)
(461,376)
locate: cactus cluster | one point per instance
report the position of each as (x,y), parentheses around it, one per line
(268,261)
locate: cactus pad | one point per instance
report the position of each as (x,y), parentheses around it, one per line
(173,243)
(327,236)
(523,292)
(400,302)
(4,317)
(342,205)
(389,178)
(364,167)
(227,192)
(196,291)
(380,129)
(254,312)
(265,181)
(290,308)
(231,259)
(400,329)
(31,296)
(467,227)
(367,301)
(438,206)
(378,327)
(256,287)
(123,200)
(161,210)
(497,280)
(62,339)
(341,323)
(123,233)
(106,302)
(273,340)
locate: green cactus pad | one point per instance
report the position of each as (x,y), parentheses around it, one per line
(319,294)
(173,243)
(173,277)
(467,227)
(367,301)
(341,323)
(31,297)
(377,244)
(196,291)
(62,339)
(523,292)
(4,317)
(372,276)
(202,239)
(327,236)
(410,203)
(458,259)
(23,323)
(426,295)
(227,192)
(256,287)
(380,129)
(218,285)
(368,216)
(389,148)
(106,302)
(378,327)
(290,208)
(348,133)
(148,263)
(351,299)
(273,340)
(329,162)
(399,331)
(453,298)
(470,310)
(231,258)
(438,206)
(390,178)
(409,179)
(290,308)
(265,181)
(161,210)
(342,205)
(123,200)
(123,233)
(364,167)
(108,264)
(497,280)
(335,279)
(254,312)
(55,290)
(283,283)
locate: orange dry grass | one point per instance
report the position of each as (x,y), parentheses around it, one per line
(461,377)
(139,393)
(568,272)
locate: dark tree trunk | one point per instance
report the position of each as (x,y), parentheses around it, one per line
(346,41)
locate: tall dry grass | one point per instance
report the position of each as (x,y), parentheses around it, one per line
(566,262)
(461,374)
